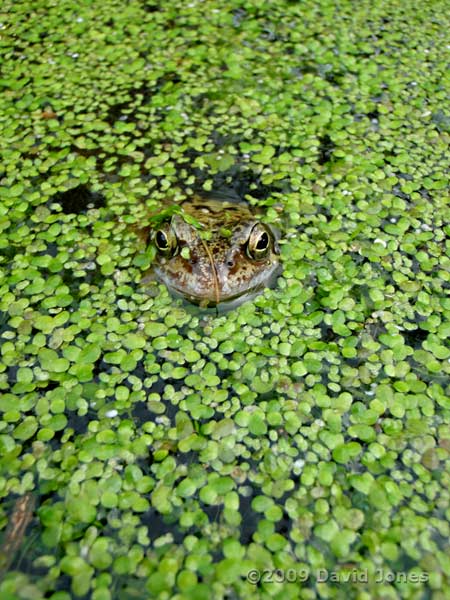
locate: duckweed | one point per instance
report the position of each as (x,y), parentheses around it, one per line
(304,434)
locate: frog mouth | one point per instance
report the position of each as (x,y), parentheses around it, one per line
(214,296)
(224,302)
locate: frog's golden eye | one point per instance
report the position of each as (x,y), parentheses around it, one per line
(165,241)
(258,242)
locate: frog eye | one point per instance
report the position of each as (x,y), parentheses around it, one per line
(258,242)
(165,241)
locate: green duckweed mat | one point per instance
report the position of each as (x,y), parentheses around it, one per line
(297,446)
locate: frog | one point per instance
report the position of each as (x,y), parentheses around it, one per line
(215,251)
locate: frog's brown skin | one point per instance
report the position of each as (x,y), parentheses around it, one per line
(239,259)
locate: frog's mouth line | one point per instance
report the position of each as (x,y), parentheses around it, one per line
(224,302)
(217,299)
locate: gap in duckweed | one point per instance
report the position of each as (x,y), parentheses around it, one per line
(78,199)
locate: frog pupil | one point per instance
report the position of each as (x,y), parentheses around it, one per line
(161,240)
(262,242)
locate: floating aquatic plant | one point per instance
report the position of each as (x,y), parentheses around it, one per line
(303,435)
